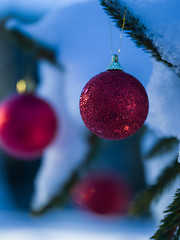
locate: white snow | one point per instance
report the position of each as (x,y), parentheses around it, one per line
(71,225)
(70,146)
(162,20)
(32,10)
(163,91)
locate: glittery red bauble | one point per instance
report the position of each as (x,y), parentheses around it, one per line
(27,125)
(114,105)
(103,194)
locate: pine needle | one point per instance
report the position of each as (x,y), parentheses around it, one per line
(135,29)
(169,228)
(60,199)
(162,146)
(37,49)
(153,192)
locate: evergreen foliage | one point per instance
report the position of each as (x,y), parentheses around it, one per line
(37,49)
(153,192)
(60,199)
(169,228)
(135,29)
(162,146)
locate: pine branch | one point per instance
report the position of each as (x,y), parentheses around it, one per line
(144,200)
(135,29)
(37,49)
(169,228)
(162,146)
(177,234)
(61,198)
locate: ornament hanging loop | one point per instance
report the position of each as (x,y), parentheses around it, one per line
(122,29)
(115,63)
(121,34)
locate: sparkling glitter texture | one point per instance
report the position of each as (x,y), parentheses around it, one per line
(104,194)
(114,105)
(27,125)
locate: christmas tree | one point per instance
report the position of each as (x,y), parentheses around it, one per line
(75,151)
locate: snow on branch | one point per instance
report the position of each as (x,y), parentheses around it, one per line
(137,30)
(37,49)
(60,199)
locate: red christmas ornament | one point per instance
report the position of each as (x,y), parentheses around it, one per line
(114,104)
(27,125)
(103,194)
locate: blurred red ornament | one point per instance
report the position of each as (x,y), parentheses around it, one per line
(103,194)
(114,104)
(28,124)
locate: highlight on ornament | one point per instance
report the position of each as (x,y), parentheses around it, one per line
(25,85)
(113,104)
(105,194)
(28,124)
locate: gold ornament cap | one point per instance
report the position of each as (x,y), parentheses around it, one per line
(26,85)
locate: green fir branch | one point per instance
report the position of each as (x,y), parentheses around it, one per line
(169,227)
(60,199)
(135,29)
(143,201)
(177,234)
(162,146)
(36,48)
